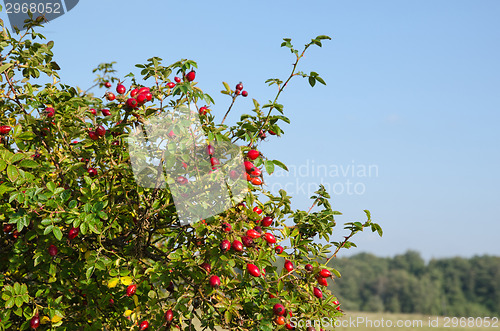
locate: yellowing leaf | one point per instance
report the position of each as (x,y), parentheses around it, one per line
(44,320)
(56,319)
(127,313)
(87,255)
(136,300)
(127,280)
(113,282)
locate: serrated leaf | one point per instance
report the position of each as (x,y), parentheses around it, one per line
(19,301)
(10,303)
(17,288)
(6,295)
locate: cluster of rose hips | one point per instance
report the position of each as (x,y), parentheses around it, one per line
(9,228)
(52,250)
(247,240)
(239,90)
(253,174)
(169,314)
(280,311)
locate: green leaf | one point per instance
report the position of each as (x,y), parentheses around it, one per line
(6,295)
(57,233)
(269,166)
(17,288)
(12,173)
(10,303)
(3,165)
(51,186)
(280,164)
(312,81)
(226,85)
(323,37)
(89,271)
(368,214)
(28,164)
(48,229)
(19,301)
(5,67)
(18,156)
(336,273)
(227,316)
(319,79)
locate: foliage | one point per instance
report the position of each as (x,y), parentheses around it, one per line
(57,177)
(406,284)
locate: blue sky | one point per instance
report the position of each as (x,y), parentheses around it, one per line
(412,89)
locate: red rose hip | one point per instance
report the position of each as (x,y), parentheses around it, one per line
(131,289)
(214,281)
(225,245)
(237,246)
(253,154)
(190,76)
(288,265)
(52,250)
(5,129)
(169,316)
(253,270)
(120,89)
(270,238)
(35,322)
(325,273)
(317,293)
(144,325)
(257,210)
(253,234)
(266,221)
(73,233)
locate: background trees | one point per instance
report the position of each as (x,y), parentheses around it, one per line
(404,283)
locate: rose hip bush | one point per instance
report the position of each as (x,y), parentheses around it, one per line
(83,247)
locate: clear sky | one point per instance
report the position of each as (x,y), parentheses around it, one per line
(412,94)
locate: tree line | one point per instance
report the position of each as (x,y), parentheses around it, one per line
(407,284)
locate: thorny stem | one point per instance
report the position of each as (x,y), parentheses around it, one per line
(278,94)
